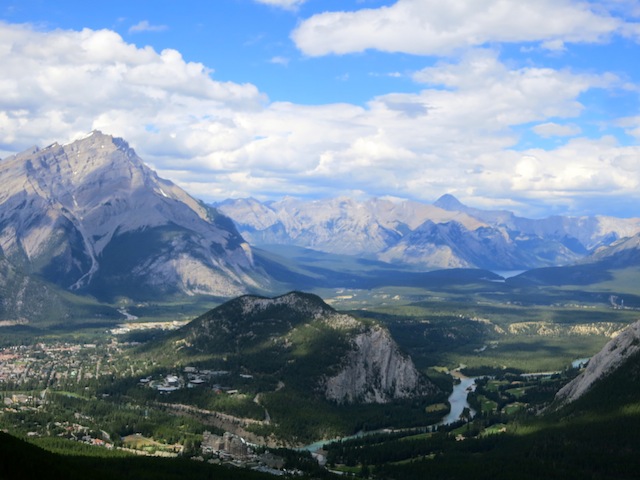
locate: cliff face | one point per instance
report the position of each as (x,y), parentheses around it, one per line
(614,354)
(374,371)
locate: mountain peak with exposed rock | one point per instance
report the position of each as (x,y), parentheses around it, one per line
(91,216)
(449,202)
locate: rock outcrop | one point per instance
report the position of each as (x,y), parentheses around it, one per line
(614,354)
(374,371)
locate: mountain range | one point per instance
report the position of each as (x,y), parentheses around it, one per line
(91,217)
(447,234)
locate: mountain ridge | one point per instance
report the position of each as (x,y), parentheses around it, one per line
(412,233)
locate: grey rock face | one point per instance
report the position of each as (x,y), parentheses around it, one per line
(612,356)
(623,253)
(90,213)
(374,372)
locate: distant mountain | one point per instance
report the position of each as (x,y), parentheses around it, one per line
(450,245)
(299,340)
(621,254)
(341,225)
(90,216)
(617,264)
(580,234)
(447,234)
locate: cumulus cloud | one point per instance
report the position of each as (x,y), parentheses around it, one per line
(223,139)
(64,82)
(574,168)
(483,91)
(434,27)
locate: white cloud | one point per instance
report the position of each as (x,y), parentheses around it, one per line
(595,166)
(434,27)
(223,139)
(555,45)
(389,74)
(485,92)
(631,126)
(287,4)
(63,83)
(551,129)
(279,61)
(145,26)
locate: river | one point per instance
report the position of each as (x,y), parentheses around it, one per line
(457,399)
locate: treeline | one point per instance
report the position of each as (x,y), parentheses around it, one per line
(589,448)
(303,419)
(366,452)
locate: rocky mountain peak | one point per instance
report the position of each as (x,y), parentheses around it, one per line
(66,211)
(81,173)
(623,253)
(449,202)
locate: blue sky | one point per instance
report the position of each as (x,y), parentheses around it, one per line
(528,106)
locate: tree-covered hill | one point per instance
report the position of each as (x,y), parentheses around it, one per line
(21,460)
